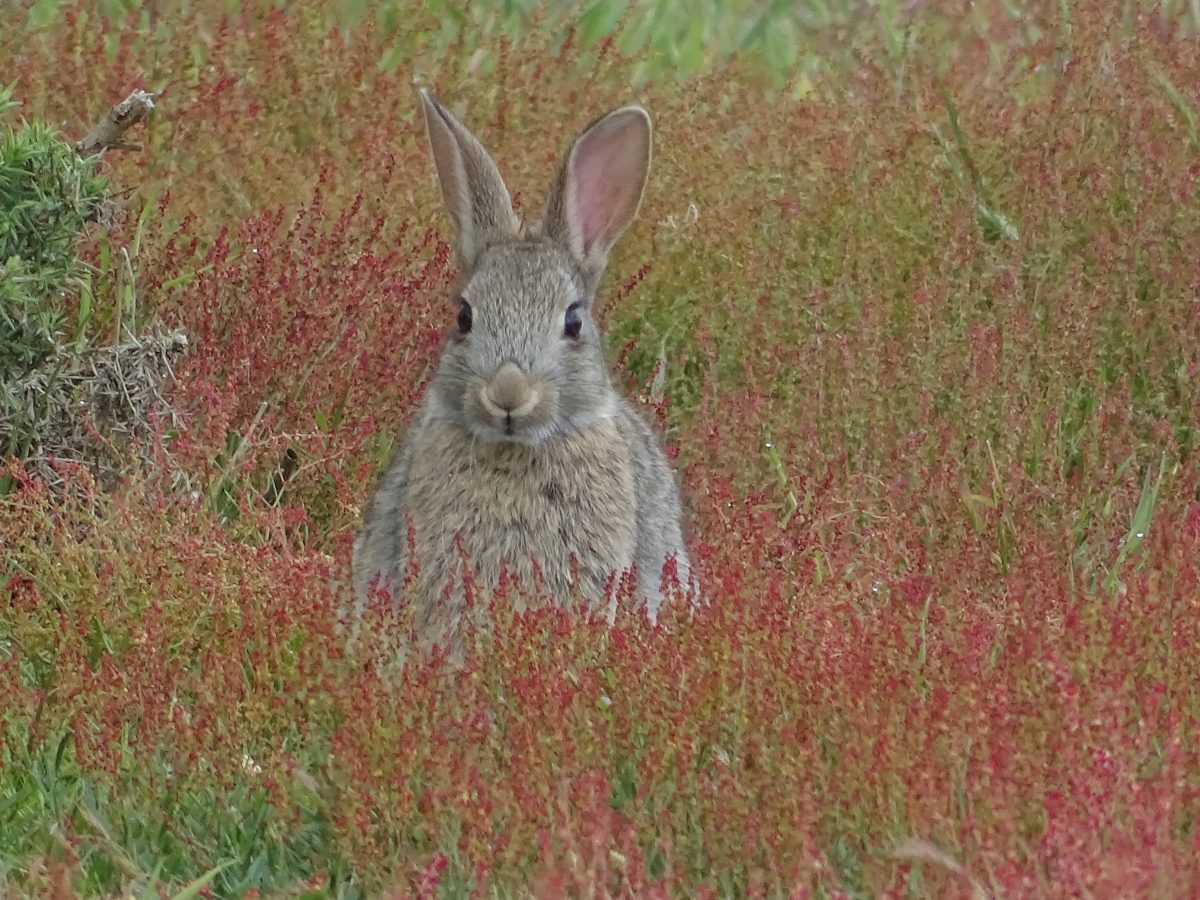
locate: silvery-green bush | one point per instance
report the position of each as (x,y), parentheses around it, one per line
(47,195)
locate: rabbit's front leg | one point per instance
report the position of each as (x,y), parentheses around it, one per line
(381,546)
(659,532)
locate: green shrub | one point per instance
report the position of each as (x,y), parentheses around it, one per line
(47,195)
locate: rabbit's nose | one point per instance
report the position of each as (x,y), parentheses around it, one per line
(509,392)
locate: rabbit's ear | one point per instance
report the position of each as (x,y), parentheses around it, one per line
(600,186)
(472,188)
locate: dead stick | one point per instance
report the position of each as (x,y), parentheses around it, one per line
(108,132)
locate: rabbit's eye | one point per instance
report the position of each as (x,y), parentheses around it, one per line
(464,317)
(573,321)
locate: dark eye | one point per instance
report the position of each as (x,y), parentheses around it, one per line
(573,321)
(464,317)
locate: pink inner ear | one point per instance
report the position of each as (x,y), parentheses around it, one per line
(607,173)
(595,196)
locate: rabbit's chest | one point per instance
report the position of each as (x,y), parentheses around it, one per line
(536,510)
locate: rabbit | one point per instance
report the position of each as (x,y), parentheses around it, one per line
(521,448)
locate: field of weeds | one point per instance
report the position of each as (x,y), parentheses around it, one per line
(914,294)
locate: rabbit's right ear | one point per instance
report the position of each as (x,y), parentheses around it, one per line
(474,192)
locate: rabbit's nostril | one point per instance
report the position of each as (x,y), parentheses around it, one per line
(506,400)
(509,393)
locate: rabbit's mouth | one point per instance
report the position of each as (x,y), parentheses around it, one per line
(510,406)
(530,430)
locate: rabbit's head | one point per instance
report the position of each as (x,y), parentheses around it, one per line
(524,361)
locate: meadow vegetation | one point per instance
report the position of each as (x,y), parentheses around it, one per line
(921,292)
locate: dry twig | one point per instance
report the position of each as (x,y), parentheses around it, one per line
(109,132)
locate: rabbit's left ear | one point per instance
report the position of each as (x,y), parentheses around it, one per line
(600,187)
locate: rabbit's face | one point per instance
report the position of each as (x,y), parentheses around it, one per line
(524,361)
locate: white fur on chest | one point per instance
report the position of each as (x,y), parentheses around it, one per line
(519,507)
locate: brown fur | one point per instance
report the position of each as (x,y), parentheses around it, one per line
(524,508)
(523,458)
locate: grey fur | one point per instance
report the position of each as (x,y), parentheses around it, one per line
(521,447)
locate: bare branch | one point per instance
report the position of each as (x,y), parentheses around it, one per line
(108,132)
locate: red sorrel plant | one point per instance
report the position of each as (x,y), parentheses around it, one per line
(953,603)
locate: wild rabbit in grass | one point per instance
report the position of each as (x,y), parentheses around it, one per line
(521,448)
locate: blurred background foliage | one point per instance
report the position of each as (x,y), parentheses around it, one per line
(789,41)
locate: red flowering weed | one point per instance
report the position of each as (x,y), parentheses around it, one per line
(926,331)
